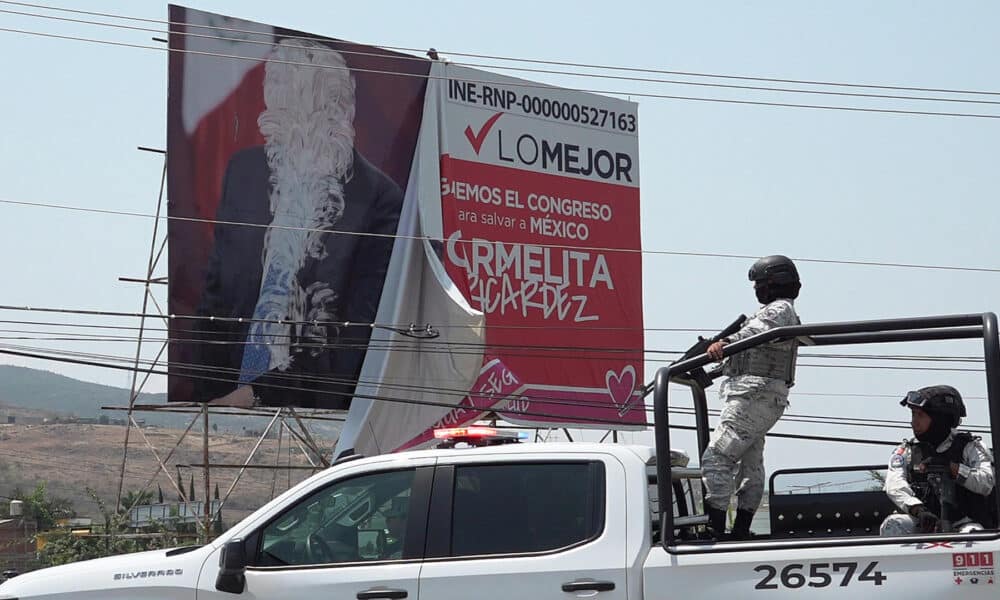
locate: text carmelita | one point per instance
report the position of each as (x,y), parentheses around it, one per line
(526,278)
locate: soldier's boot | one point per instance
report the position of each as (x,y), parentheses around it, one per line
(716,522)
(741,525)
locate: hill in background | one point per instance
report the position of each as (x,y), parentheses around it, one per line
(44,390)
(72,456)
(53,394)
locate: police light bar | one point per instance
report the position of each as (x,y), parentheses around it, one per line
(476,435)
(476,431)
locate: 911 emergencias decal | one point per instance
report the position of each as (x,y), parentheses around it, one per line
(973,568)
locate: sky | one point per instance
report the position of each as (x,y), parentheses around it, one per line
(720,178)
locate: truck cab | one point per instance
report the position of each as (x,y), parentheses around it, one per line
(521,520)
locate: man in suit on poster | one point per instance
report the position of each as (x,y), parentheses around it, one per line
(309,266)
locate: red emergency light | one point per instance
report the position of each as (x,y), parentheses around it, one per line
(475,436)
(474,432)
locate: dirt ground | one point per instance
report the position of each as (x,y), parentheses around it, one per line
(69,458)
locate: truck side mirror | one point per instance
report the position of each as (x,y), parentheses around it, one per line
(232,568)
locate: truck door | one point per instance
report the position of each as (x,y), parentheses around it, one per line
(536,528)
(358,537)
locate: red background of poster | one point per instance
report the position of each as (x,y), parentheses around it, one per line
(554,351)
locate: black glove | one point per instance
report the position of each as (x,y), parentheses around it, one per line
(927,521)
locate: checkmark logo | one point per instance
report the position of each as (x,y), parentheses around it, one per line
(477,139)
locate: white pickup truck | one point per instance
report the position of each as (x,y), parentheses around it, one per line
(539,521)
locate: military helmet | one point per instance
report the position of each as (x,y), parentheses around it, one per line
(774,270)
(938,400)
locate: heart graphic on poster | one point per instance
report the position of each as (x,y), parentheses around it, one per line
(620,386)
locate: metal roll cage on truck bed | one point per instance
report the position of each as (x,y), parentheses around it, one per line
(949,327)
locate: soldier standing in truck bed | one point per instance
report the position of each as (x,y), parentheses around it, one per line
(754,396)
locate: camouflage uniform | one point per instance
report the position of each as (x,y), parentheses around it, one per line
(752,405)
(975,474)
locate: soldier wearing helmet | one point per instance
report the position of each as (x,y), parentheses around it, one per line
(754,396)
(942,478)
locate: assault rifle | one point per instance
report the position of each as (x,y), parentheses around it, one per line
(943,486)
(701,346)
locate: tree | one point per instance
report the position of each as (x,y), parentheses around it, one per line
(878,479)
(217,527)
(63,546)
(45,510)
(136,498)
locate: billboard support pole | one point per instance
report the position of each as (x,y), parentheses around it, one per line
(134,390)
(179,484)
(208,487)
(304,446)
(162,463)
(277,458)
(309,441)
(243,469)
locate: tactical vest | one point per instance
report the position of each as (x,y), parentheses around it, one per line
(775,360)
(967,503)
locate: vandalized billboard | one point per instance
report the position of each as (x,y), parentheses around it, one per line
(413,240)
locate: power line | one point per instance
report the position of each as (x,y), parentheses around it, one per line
(344,342)
(378,398)
(807,437)
(798,393)
(587,353)
(526,60)
(385,344)
(392,385)
(867,263)
(514,68)
(443,391)
(838,420)
(530,351)
(899,357)
(185,369)
(820,419)
(517,84)
(463,392)
(196,371)
(159,316)
(579,420)
(439,391)
(398,383)
(896,368)
(345,324)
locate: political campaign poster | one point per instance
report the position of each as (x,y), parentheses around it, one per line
(287,158)
(419,242)
(533,192)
